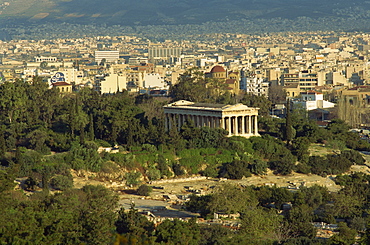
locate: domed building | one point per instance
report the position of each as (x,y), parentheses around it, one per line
(231,79)
(218,72)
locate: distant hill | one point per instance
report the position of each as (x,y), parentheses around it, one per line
(160,12)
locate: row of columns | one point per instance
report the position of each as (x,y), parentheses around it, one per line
(235,125)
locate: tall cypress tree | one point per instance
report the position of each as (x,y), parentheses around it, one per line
(2,143)
(91,128)
(288,124)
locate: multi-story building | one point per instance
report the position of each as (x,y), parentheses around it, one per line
(45,59)
(109,56)
(311,100)
(306,80)
(156,52)
(255,85)
(110,84)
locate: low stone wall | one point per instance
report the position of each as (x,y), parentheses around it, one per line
(156,182)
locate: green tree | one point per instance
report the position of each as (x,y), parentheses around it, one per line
(6,180)
(144,190)
(299,220)
(289,131)
(61,182)
(346,235)
(259,101)
(230,199)
(132,222)
(188,87)
(178,232)
(133,178)
(260,224)
(98,215)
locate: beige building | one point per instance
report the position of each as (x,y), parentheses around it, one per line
(238,119)
(63,87)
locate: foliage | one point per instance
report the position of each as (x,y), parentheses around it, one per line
(61,182)
(214,234)
(257,223)
(133,223)
(230,199)
(236,169)
(199,204)
(259,101)
(133,178)
(71,217)
(331,164)
(6,180)
(178,232)
(144,190)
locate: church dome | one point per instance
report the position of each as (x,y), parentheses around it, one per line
(217,69)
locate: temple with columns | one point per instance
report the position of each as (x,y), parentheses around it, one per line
(239,119)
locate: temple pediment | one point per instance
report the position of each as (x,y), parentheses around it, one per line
(209,106)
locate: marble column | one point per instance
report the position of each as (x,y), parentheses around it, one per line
(166,122)
(184,119)
(229,125)
(236,128)
(255,125)
(243,125)
(178,121)
(250,124)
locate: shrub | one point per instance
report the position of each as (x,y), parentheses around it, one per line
(211,171)
(354,156)
(258,167)
(91,145)
(102,143)
(149,148)
(144,190)
(61,182)
(178,170)
(29,184)
(109,167)
(132,178)
(153,174)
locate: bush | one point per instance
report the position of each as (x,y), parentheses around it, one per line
(153,174)
(144,190)
(178,170)
(109,167)
(211,171)
(354,156)
(91,145)
(303,168)
(132,178)
(236,169)
(149,148)
(258,167)
(29,184)
(61,182)
(102,143)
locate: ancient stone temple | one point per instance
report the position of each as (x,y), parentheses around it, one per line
(237,119)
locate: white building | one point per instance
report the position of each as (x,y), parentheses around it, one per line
(72,75)
(112,83)
(238,119)
(254,85)
(45,59)
(312,100)
(154,80)
(109,56)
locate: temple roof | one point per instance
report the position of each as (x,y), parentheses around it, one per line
(184,104)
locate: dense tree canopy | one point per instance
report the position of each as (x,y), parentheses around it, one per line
(45,134)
